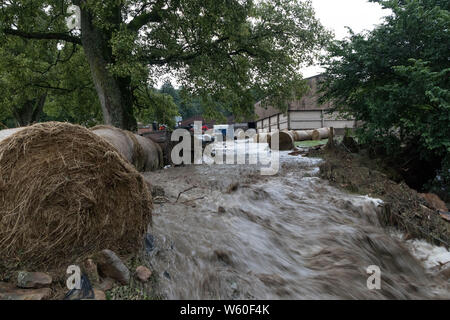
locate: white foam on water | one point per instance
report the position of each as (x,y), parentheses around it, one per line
(432,256)
(375,201)
(260,151)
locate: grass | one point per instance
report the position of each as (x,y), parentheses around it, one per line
(136,290)
(310,143)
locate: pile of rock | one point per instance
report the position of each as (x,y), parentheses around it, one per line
(100,273)
(29,286)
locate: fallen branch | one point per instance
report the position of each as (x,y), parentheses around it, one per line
(187,201)
(188,189)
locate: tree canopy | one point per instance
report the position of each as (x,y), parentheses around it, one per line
(45,81)
(223,50)
(395,79)
(163,107)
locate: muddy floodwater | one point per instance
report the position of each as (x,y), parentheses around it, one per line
(227,232)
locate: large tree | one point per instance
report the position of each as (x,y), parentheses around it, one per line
(220,50)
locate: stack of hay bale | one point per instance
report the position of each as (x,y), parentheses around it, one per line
(287,138)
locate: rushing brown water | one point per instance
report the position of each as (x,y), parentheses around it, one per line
(239,235)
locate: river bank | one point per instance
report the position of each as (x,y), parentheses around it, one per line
(416,214)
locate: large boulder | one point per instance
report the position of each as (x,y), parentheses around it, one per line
(10,292)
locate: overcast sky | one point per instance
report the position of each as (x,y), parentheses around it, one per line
(336,15)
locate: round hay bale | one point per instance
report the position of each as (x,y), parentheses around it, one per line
(65,194)
(256,138)
(320,134)
(292,133)
(121,140)
(240,134)
(264,137)
(153,155)
(302,135)
(141,152)
(285,138)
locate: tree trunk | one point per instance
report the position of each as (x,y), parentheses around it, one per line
(330,143)
(30,111)
(115,93)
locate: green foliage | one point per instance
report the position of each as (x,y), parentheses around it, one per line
(155,106)
(30,70)
(22,77)
(395,79)
(222,52)
(188,105)
(440,184)
(43,80)
(77,100)
(428,115)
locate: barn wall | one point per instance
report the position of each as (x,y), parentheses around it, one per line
(313,119)
(306,113)
(302,120)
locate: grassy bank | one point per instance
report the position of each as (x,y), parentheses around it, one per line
(310,143)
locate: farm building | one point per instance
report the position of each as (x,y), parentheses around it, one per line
(306,113)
